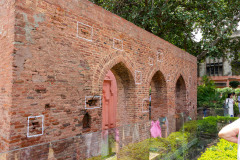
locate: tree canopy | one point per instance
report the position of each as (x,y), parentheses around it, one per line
(177,20)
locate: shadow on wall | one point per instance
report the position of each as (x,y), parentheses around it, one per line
(158,96)
(181,101)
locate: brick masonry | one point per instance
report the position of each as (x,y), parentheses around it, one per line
(54,53)
(7,20)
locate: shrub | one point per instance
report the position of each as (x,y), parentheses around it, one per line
(191,128)
(223,150)
(234,84)
(236,109)
(174,141)
(222,119)
(207,125)
(237,91)
(207,95)
(160,145)
(177,139)
(135,151)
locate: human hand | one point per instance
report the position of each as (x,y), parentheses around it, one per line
(230,132)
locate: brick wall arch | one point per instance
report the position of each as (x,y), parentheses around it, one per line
(180,101)
(185,79)
(151,73)
(104,66)
(126,94)
(123,70)
(177,76)
(158,84)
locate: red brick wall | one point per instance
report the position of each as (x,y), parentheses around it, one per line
(6,54)
(55,67)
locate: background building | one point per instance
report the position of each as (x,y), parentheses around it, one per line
(222,70)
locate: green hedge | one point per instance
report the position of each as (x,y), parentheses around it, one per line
(174,141)
(208,125)
(224,150)
(135,151)
(162,146)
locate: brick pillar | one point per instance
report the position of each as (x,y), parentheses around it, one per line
(227,82)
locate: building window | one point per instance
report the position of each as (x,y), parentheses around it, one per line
(214,69)
(221,84)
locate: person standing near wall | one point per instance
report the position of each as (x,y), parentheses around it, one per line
(230,102)
(205,111)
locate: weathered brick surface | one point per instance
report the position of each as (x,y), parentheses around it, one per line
(64,49)
(6,51)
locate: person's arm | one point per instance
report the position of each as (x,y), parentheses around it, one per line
(230,132)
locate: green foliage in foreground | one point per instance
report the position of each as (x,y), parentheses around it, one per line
(135,151)
(224,150)
(174,141)
(162,146)
(208,125)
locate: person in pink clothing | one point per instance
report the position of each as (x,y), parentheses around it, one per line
(156,129)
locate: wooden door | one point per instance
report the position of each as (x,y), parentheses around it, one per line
(109,102)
